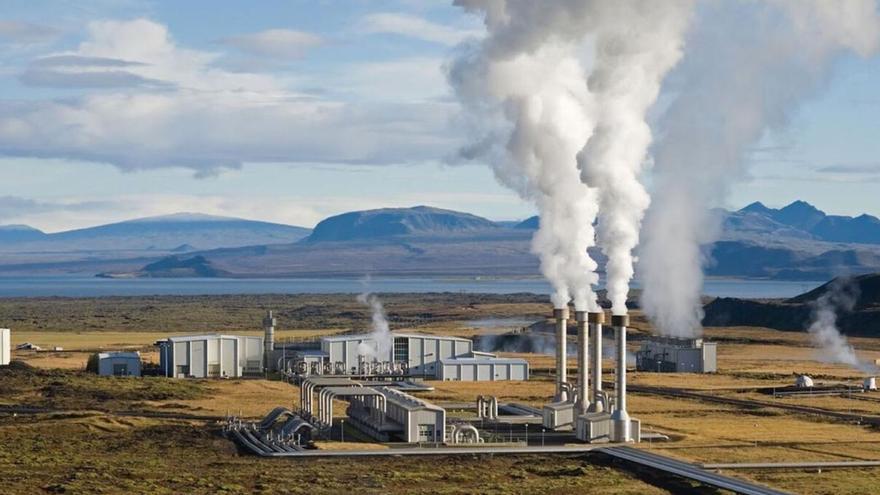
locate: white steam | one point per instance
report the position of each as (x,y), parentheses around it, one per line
(524,88)
(748,67)
(842,294)
(380,332)
(637,43)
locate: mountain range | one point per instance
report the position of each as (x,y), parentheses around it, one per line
(798,241)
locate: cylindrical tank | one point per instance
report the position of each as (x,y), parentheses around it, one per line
(268,340)
(803,381)
(870,383)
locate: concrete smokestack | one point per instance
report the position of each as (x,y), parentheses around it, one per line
(561,316)
(620,417)
(583,363)
(596,320)
(269,341)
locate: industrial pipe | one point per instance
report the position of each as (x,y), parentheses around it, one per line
(619,417)
(561,316)
(595,320)
(583,387)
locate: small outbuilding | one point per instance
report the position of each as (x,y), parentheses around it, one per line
(115,364)
(5,346)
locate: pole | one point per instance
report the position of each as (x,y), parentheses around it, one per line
(342,430)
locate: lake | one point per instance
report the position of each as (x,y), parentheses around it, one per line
(70,286)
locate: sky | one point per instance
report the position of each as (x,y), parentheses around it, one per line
(293,110)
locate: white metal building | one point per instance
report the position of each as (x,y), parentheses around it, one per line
(5,346)
(399,417)
(676,355)
(421,353)
(483,369)
(118,363)
(209,356)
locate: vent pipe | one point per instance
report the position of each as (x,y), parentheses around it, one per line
(561,316)
(596,319)
(268,340)
(619,417)
(583,363)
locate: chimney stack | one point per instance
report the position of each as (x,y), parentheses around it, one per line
(620,417)
(583,363)
(561,316)
(596,319)
(268,341)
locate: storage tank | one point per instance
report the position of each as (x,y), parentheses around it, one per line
(803,381)
(870,383)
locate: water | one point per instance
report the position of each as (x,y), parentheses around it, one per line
(73,286)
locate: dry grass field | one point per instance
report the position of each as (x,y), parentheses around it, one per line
(83,441)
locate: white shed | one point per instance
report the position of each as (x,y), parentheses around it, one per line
(5,346)
(118,363)
(214,355)
(483,369)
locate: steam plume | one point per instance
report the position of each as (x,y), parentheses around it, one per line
(637,43)
(379,328)
(842,294)
(735,84)
(524,87)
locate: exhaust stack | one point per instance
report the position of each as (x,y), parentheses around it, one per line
(583,363)
(596,320)
(268,341)
(620,417)
(561,316)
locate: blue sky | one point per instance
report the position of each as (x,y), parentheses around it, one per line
(290,111)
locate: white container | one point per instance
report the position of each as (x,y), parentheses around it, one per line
(870,383)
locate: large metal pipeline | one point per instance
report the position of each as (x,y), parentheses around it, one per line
(561,316)
(620,417)
(595,320)
(583,363)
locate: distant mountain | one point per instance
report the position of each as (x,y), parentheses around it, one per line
(392,222)
(19,233)
(804,220)
(163,233)
(530,223)
(173,267)
(795,313)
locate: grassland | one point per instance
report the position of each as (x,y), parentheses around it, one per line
(154,435)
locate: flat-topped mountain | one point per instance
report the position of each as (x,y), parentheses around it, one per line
(390,222)
(161,233)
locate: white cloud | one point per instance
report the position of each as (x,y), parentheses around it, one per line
(26,33)
(280,43)
(171,106)
(415,27)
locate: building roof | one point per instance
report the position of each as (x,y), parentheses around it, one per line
(406,401)
(208,336)
(367,336)
(119,355)
(483,360)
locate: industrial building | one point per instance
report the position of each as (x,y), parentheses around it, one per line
(211,356)
(5,346)
(677,355)
(409,354)
(115,364)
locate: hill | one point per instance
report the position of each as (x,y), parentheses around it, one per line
(162,233)
(795,313)
(173,267)
(19,233)
(390,222)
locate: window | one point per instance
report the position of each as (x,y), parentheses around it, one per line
(401,349)
(426,433)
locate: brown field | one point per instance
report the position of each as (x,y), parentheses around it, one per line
(84,442)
